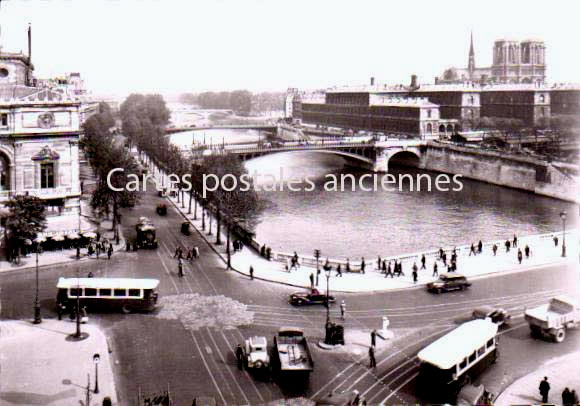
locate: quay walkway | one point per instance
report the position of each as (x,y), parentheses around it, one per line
(543,252)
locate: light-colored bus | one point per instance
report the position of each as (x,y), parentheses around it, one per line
(127,294)
(456,358)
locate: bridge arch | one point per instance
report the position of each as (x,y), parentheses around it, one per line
(408,157)
(348,155)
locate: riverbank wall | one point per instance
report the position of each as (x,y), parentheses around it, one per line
(514,171)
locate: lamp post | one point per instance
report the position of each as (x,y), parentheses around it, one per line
(78,308)
(563,217)
(37,318)
(327,271)
(96,359)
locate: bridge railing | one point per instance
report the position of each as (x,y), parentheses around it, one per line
(299,147)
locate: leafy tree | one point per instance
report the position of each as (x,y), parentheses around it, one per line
(27,218)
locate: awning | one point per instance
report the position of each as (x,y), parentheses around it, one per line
(65,225)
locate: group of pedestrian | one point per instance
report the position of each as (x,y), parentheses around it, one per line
(238,245)
(293,262)
(192,253)
(474,251)
(266,252)
(98,247)
(395,270)
(569,397)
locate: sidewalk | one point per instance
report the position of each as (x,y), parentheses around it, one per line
(59,257)
(543,252)
(561,372)
(41,365)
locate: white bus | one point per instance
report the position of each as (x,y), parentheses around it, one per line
(127,294)
(456,358)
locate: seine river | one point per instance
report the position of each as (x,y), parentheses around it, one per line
(361,223)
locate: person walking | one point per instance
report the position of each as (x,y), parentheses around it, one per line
(240,356)
(389,272)
(311,281)
(373,338)
(515,242)
(373,361)
(195,252)
(444,258)
(59,310)
(342,309)
(544,389)
(435,270)
(479,247)
(379,263)
(317,276)
(520,255)
(180,267)
(527,251)
(472,250)
(385,267)
(251,272)
(507,245)
(347,266)
(566,397)
(555,241)
(440,252)
(574,397)
(494,249)
(338,271)
(110,251)
(423,260)
(362,265)
(414,272)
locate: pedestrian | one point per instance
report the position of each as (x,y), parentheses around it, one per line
(263,250)
(379,262)
(269,254)
(90,275)
(240,356)
(373,361)
(435,270)
(389,272)
(110,251)
(176,252)
(84,315)
(494,249)
(574,397)
(342,309)
(195,252)
(401,273)
(311,281)
(515,243)
(59,310)
(384,267)
(338,271)
(373,338)
(566,397)
(507,245)
(544,389)
(189,255)
(527,251)
(555,241)
(317,276)
(180,267)
(295,259)
(472,250)
(251,272)
(414,272)
(78,251)
(520,255)
(423,260)
(440,252)
(362,265)
(444,258)
(73,313)
(347,266)
(479,247)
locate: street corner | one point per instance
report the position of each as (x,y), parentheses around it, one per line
(65,375)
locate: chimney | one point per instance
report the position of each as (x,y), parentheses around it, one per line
(372,81)
(414,82)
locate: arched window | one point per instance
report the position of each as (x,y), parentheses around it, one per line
(429,128)
(4,173)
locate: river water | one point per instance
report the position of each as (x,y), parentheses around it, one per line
(353,224)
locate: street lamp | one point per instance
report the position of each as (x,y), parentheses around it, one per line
(96,359)
(327,271)
(563,217)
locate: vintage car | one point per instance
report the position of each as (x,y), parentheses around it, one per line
(161,209)
(495,314)
(308,298)
(447,282)
(471,395)
(185,228)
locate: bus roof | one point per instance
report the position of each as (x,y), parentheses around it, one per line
(450,349)
(107,283)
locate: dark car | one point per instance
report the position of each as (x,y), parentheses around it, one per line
(495,314)
(308,298)
(447,282)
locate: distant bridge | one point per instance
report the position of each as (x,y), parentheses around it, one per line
(259,127)
(370,155)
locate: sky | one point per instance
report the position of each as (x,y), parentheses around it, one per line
(173,46)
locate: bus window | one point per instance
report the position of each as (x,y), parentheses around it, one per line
(90,292)
(76,292)
(481,351)
(463,363)
(120,292)
(104,292)
(472,357)
(135,292)
(490,343)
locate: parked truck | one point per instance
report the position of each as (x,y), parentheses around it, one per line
(291,354)
(554,318)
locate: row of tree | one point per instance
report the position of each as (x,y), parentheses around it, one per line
(240,101)
(144,118)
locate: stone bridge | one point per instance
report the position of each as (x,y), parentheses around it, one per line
(261,127)
(374,156)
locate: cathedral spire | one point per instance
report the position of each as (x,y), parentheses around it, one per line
(471,63)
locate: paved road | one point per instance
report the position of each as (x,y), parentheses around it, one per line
(153,353)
